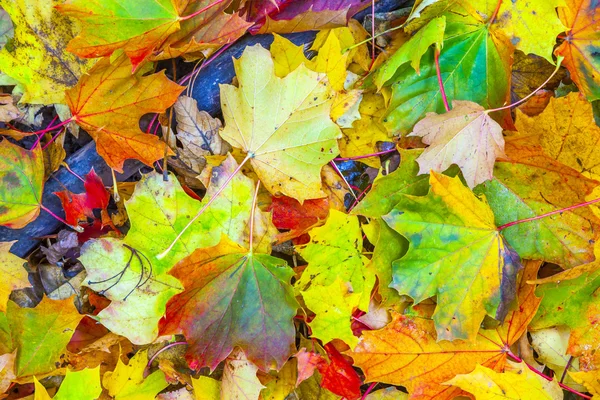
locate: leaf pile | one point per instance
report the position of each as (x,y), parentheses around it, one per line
(366,218)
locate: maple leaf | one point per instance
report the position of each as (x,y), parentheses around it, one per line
(406,352)
(109,102)
(22,181)
(334,252)
(299,218)
(466,136)
(37,58)
(520,21)
(517,382)
(201,35)
(338,375)
(39,348)
(524,186)
(128,381)
(590,379)
(412,50)
(83,385)
(233,297)
(449,227)
(333,306)
(286,147)
(474,66)
(14,274)
(135,27)
(119,272)
(582,18)
(567,132)
(239,378)
(80,207)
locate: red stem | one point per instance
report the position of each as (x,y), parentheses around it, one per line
(187,77)
(161,350)
(52,139)
(436,57)
(520,221)
(200,11)
(369,390)
(564,374)
(76,228)
(546,377)
(51,128)
(364,156)
(64,164)
(495,14)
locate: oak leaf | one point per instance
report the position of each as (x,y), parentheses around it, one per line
(287,147)
(37,57)
(466,136)
(22,180)
(108,103)
(233,297)
(582,19)
(406,352)
(449,227)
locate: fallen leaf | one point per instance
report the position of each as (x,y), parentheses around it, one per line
(519,382)
(8,111)
(233,297)
(135,27)
(339,376)
(37,57)
(82,385)
(14,274)
(590,379)
(299,218)
(582,19)
(239,378)
(108,103)
(128,382)
(7,370)
(466,136)
(448,227)
(21,175)
(206,388)
(286,148)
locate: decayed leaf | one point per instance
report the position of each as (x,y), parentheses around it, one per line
(525,185)
(81,385)
(517,382)
(333,306)
(466,136)
(522,22)
(334,252)
(204,33)
(567,132)
(41,334)
(474,65)
(233,297)
(528,73)
(393,354)
(37,57)
(109,102)
(412,50)
(21,184)
(8,111)
(198,134)
(239,378)
(580,47)
(137,27)
(14,275)
(449,227)
(158,211)
(128,382)
(288,146)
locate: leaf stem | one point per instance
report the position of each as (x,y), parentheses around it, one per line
(560,211)
(53,138)
(495,14)
(52,128)
(161,350)
(210,201)
(369,390)
(200,11)
(436,58)
(365,155)
(335,167)
(372,34)
(546,377)
(252,216)
(74,227)
(564,374)
(524,99)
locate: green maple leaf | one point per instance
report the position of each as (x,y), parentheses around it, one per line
(233,297)
(455,253)
(128,271)
(81,385)
(282,123)
(474,65)
(40,334)
(335,252)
